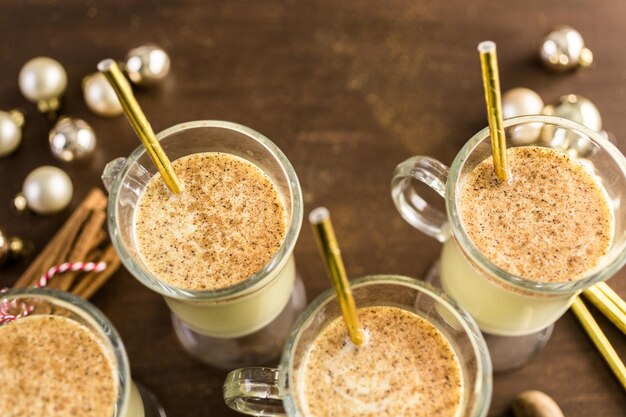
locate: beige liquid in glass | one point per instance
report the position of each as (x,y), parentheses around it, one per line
(228,222)
(551,222)
(406,367)
(54,366)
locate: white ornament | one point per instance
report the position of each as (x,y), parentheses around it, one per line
(147,65)
(47,190)
(10,131)
(100,96)
(72,139)
(522,102)
(43,80)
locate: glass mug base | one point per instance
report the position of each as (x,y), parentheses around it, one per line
(260,347)
(507,352)
(151,405)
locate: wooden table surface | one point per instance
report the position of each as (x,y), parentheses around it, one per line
(347,89)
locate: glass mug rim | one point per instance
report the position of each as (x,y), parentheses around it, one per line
(286,248)
(96,317)
(482,382)
(469,248)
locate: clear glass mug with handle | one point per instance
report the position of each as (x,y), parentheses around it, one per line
(275,392)
(515,314)
(234,326)
(133,400)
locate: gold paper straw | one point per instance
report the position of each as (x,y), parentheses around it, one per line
(327,244)
(612,295)
(607,307)
(491,85)
(138,120)
(599,339)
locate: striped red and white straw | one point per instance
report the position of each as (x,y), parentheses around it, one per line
(21,309)
(11,310)
(69,266)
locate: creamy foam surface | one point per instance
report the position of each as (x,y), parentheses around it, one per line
(55,367)
(550,222)
(406,367)
(228,222)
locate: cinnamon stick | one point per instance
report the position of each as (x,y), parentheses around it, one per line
(82,246)
(56,251)
(99,238)
(94,256)
(78,239)
(92,281)
(50,255)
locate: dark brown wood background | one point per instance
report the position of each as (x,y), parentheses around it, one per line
(347,89)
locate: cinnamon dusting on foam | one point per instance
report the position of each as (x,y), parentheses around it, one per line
(406,367)
(54,366)
(551,222)
(225,226)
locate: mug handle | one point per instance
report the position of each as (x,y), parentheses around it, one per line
(413,208)
(111,171)
(254,391)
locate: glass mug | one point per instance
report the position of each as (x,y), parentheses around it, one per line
(132,400)
(234,326)
(516,314)
(273,392)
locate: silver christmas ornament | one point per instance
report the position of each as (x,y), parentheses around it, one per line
(46,190)
(100,96)
(147,65)
(578,109)
(10,131)
(72,139)
(43,81)
(563,49)
(582,147)
(522,102)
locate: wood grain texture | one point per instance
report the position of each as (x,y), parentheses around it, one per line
(347,89)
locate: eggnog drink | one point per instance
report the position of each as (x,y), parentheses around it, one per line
(406,367)
(550,222)
(225,226)
(55,366)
